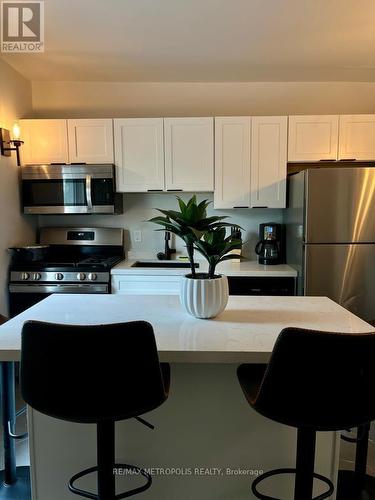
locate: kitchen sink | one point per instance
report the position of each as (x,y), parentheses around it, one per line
(162,263)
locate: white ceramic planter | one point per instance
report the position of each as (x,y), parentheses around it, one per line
(204,298)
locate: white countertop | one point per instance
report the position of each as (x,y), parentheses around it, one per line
(245,332)
(244,268)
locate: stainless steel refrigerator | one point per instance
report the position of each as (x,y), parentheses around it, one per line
(330,235)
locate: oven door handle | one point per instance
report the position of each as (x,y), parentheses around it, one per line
(89,192)
(57,288)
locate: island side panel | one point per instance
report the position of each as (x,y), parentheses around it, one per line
(205,431)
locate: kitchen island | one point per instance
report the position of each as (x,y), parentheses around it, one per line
(207,443)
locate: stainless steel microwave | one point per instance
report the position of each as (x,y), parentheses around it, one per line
(70,189)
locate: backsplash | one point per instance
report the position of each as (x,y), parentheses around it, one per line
(138,208)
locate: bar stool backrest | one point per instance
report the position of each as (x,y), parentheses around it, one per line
(321,380)
(91,373)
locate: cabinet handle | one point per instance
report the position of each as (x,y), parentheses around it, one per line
(349,159)
(154,190)
(328,159)
(240,206)
(260,206)
(174,189)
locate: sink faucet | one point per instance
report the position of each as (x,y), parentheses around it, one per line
(166,255)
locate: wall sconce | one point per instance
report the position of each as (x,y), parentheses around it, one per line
(7,145)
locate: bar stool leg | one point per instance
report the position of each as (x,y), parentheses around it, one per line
(14,481)
(306,440)
(361,456)
(106,460)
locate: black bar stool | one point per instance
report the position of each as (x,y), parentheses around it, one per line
(14,481)
(94,374)
(315,381)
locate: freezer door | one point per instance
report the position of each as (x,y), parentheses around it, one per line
(344,273)
(340,205)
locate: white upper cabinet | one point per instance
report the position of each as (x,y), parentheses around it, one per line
(313,138)
(232,161)
(45,141)
(189,155)
(90,141)
(357,137)
(269,139)
(139,154)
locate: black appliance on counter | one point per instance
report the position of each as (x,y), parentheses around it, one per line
(270,247)
(70,189)
(77,260)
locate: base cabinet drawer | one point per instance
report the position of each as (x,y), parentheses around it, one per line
(146,285)
(273,285)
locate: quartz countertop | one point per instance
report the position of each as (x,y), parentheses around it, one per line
(245,332)
(244,268)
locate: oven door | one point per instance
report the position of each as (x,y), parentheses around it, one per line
(22,296)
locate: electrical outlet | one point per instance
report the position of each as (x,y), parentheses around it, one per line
(138,236)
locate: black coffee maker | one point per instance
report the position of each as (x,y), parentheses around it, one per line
(270,247)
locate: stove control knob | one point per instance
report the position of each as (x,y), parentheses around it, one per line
(81,276)
(25,276)
(59,276)
(37,276)
(92,276)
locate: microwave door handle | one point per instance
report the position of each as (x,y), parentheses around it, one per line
(88,193)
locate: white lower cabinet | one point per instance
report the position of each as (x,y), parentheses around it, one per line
(127,284)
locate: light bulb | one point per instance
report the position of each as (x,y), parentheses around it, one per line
(16,132)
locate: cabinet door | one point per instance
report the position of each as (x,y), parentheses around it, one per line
(357,137)
(189,158)
(313,138)
(45,141)
(268,161)
(145,285)
(90,141)
(232,161)
(139,154)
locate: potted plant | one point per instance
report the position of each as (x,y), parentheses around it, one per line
(204,295)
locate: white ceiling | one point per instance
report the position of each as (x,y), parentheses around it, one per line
(205,40)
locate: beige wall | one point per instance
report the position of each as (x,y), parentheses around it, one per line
(101,99)
(15,103)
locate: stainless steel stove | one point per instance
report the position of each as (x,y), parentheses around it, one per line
(78,260)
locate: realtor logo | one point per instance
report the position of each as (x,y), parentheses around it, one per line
(22,26)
